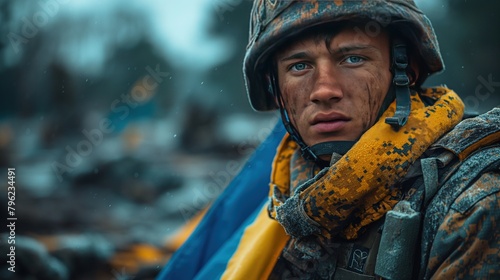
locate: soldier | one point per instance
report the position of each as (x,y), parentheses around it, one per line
(376,177)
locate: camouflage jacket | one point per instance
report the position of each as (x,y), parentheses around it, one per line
(455,190)
(461,226)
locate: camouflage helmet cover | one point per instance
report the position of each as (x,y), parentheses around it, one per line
(273,21)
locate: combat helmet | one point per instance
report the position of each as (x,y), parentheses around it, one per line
(273,22)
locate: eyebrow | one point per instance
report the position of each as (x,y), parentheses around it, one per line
(299,55)
(345,49)
(350,48)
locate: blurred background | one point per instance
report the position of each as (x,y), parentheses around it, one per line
(123,119)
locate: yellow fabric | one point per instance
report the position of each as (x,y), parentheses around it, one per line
(258,250)
(380,154)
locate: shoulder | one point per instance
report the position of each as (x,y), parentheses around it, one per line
(472,134)
(469,157)
(461,234)
(467,242)
(484,193)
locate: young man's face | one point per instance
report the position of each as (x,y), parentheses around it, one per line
(335,92)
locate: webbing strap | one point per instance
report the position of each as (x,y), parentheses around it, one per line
(401,82)
(431,177)
(327,148)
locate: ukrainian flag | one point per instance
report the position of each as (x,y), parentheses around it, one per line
(236,238)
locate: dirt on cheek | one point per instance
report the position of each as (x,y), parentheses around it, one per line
(369,105)
(376,96)
(292,97)
(366,119)
(292,110)
(375,104)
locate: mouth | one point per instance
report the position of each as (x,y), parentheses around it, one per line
(329,122)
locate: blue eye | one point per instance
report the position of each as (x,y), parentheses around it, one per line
(299,66)
(354,59)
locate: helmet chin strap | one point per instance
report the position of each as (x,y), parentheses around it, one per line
(307,153)
(401,84)
(399,90)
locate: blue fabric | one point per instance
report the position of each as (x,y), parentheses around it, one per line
(217,264)
(205,254)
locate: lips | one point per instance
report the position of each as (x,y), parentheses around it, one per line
(329,122)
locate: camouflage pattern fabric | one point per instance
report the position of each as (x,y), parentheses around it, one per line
(460,238)
(467,242)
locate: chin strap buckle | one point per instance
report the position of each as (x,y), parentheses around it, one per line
(401,83)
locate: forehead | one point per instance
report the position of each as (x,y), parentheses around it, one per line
(338,36)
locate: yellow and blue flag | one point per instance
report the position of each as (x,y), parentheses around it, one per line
(206,253)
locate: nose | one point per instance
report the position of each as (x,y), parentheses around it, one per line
(326,87)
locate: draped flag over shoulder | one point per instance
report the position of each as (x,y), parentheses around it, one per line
(209,248)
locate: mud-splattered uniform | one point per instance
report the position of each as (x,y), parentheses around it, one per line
(459,235)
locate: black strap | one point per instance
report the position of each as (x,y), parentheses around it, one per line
(327,148)
(401,82)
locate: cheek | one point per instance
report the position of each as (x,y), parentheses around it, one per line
(366,113)
(293,96)
(375,94)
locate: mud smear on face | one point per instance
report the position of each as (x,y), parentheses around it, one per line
(369,117)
